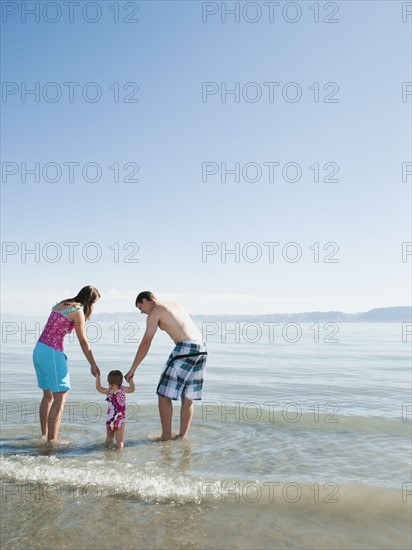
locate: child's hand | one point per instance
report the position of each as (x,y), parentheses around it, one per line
(131,387)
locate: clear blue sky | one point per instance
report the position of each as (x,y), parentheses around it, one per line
(170,132)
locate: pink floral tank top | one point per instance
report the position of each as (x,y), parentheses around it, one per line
(57,326)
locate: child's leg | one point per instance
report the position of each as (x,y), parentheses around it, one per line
(119,437)
(109,436)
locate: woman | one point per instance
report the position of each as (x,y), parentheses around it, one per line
(50,361)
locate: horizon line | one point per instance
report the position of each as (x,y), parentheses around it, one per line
(234,314)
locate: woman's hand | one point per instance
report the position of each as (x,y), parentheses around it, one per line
(129,375)
(95,370)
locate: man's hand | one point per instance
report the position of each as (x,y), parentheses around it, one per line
(95,371)
(129,375)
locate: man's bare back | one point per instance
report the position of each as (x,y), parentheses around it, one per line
(175,320)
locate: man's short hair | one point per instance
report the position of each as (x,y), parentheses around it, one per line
(146,294)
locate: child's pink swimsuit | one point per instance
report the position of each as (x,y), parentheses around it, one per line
(116,412)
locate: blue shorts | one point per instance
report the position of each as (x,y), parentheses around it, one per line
(51,368)
(182,377)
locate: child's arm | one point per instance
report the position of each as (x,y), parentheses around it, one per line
(99,387)
(131,387)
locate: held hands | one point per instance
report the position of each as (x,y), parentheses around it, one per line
(95,371)
(129,375)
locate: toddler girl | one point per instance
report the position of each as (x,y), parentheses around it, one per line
(117,406)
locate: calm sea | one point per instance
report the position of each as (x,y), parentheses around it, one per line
(302,441)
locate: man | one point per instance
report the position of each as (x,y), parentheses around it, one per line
(182,376)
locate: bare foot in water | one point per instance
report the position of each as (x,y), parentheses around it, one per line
(58,442)
(161,438)
(178,436)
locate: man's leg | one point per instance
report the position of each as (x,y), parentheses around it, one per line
(186,415)
(192,390)
(166,412)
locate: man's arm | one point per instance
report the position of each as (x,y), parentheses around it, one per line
(151,327)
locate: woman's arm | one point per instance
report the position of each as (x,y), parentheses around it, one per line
(84,344)
(99,388)
(131,387)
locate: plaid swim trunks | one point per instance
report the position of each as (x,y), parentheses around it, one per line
(182,377)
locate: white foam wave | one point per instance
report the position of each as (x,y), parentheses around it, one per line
(105,477)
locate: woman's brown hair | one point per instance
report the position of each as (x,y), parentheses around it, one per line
(86,297)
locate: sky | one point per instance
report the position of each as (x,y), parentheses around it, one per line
(246,162)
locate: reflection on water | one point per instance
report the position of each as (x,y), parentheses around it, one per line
(180,459)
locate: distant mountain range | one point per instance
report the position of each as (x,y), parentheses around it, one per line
(381,314)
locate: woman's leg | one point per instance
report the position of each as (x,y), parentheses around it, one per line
(55,414)
(45,405)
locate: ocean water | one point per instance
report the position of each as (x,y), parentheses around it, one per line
(302,440)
